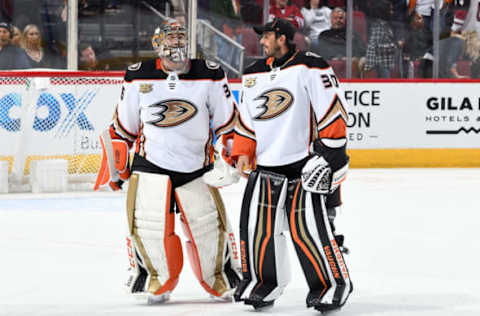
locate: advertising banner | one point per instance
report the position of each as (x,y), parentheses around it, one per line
(407,115)
(389,123)
(63,117)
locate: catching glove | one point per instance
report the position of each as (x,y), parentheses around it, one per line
(326,169)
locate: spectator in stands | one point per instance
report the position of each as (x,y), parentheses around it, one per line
(381,47)
(16,36)
(289,12)
(451,49)
(88,59)
(419,39)
(32,44)
(425,9)
(317,19)
(11,57)
(332,43)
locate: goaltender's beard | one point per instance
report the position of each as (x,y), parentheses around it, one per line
(272,50)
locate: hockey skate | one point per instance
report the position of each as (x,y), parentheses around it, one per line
(158,299)
(259,304)
(327,309)
(226,297)
(136,280)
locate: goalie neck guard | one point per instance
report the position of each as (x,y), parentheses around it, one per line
(170,42)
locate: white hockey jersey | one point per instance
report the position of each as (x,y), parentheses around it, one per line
(284,109)
(168,116)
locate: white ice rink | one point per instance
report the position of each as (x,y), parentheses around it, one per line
(414,236)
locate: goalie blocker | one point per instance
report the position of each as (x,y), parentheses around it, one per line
(114,168)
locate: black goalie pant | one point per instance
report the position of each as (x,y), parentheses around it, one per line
(271,205)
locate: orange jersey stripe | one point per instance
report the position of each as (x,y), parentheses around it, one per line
(336,129)
(243,146)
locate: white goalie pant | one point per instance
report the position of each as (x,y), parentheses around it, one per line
(155,251)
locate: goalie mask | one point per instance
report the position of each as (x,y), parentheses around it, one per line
(170,42)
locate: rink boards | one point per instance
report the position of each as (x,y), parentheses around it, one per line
(390,123)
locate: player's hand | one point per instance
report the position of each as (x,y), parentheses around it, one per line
(243,166)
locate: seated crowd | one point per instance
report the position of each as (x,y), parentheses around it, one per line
(391,38)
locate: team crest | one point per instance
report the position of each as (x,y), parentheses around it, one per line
(250,82)
(172,112)
(275,102)
(146,87)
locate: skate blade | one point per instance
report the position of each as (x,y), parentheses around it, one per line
(158,299)
(263,308)
(327,310)
(226,297)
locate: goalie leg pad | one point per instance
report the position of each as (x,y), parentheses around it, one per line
(157,249)
(315,245)
(208,248)
(265,263)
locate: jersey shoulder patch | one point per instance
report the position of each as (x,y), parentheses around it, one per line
(135,67)
(313,60)
(312,54)
(144,70)
(212,65)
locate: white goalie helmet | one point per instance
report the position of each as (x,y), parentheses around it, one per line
(170,41)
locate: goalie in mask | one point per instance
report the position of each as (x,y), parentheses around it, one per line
(169,109)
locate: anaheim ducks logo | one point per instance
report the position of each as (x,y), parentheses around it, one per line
(172,112)
(275,103)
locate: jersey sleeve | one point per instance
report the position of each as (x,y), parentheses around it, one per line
(222,106)
(244,141)
(126,120)
(328,103)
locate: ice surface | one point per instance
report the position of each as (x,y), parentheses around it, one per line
(414,236)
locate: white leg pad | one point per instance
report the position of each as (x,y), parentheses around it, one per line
(153,231)
(208,241)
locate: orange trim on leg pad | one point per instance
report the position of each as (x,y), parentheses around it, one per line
(173,247)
